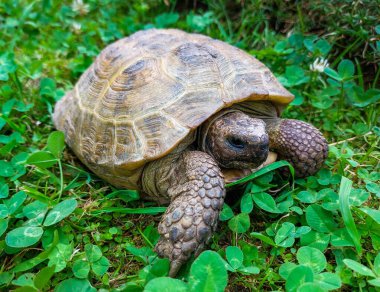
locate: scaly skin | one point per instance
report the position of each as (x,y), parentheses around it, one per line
(195,185)
(298,142)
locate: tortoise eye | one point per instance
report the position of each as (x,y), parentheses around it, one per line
(236,142)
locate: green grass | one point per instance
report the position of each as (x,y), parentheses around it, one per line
(61,226)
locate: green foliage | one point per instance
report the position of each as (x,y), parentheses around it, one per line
(208,273)
(235,261)
(7,65)
(93,260)
(71,285)
(166,284)
(63,229)
(372,273)
(311,264)
(60,211)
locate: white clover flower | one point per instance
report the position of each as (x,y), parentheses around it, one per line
(79,7)
(319,65)
(76,27)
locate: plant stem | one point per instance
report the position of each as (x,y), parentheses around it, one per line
(267,274)
(341,98)
(61,179)
(146,238)
(18,83)
(374,84)
(300,17)
(340,57)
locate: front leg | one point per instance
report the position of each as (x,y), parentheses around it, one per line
(298,142)
(195,185)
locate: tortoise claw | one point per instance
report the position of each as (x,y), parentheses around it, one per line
(174,268)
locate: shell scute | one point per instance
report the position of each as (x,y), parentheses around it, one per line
(192,65)
(96,140)
(195,106)
(140,90)
(89,87)
(127,143)
(159,131)
(244,83)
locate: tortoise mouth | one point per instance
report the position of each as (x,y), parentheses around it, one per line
(234,174)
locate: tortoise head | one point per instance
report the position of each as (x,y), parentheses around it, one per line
(237,140)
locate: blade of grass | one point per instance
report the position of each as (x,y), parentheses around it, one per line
(60,182)
(344,205)
(355,44)
(146,238)
(264,170)
(80,171)
(374,84)
(360,73)
(263,238)
(149,210)
(36,194)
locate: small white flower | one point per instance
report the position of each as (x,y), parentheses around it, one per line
(79,7)
(76,27)
(319,65)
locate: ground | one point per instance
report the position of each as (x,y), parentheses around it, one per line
(61,226)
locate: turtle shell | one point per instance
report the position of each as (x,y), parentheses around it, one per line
(145,93)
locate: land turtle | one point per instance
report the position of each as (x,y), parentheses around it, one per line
(165,112)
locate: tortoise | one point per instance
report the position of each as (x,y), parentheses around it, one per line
(165,112)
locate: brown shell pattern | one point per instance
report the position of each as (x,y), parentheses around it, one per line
(145,93)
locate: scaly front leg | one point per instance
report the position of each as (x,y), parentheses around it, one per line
(298,142)
(195,185)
